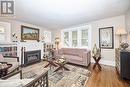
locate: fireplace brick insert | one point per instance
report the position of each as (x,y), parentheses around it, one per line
(31,57)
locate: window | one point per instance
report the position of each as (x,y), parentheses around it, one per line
(66,39)
(76,37)
(84,38)
(2,33)
(5,32)
(47,36)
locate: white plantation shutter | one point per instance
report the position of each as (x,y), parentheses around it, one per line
(76,37)
(5,32)
(47,36)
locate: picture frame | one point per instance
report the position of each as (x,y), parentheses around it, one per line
(106,38)
(29,33)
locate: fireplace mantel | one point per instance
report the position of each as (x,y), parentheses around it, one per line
(29,46)
(31,57)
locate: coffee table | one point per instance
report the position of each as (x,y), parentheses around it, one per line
(50,63)
(61,62)
(4,71)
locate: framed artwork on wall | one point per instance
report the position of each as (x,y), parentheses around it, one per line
(29,33)
(106,38)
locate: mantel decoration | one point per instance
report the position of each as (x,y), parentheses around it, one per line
(106,39)
(29,33)
(15,37)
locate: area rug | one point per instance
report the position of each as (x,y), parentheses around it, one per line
(75,77)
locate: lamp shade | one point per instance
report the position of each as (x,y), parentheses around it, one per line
(121,32)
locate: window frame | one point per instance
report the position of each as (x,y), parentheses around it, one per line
(79,36)
(47,36)
(7,31)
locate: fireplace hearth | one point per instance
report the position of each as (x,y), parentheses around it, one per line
(31,57)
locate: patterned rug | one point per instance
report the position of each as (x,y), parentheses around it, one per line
(76,77)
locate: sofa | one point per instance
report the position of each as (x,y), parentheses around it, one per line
(75,55)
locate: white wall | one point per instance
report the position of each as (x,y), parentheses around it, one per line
(127,17)
(16,27)
(116,22)
(30,45)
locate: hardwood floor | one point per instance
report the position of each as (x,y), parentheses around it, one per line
(108,77)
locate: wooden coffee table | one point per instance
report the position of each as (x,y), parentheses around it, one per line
(4,71)
(61,65)
(50,63)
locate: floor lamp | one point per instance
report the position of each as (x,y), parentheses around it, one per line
(57,41)
(120,33)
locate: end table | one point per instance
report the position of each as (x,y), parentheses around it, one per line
(97,59)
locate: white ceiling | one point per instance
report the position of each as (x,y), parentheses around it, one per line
(55,14)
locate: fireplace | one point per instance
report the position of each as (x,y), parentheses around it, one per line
(31,57)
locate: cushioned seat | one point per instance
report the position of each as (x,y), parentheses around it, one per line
(10,60)
(15,79)
(71,57)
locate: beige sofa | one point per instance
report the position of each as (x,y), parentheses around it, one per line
(75,55)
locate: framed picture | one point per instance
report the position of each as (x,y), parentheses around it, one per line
(106,39)
(29,33)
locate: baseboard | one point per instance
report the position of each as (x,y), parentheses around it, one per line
(106,62)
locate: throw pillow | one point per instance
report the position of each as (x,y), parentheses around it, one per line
(1,58)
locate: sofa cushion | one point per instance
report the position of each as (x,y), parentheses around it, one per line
(74,52)
(60,51)
(73,58)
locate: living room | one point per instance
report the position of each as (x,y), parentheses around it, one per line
(82,43)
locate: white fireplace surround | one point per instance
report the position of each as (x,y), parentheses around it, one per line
(29,46)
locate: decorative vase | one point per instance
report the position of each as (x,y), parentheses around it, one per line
(124,45)
(94,51)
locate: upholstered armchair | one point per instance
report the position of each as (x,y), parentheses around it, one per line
(14,79)
(10,60)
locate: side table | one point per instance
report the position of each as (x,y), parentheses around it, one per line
(97,59)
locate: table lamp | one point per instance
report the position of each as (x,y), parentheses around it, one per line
(120,33)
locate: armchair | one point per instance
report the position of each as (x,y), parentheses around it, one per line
(11,60)
(15,79)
